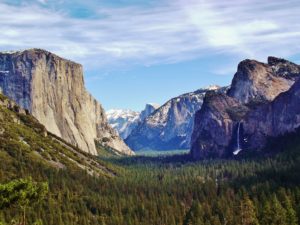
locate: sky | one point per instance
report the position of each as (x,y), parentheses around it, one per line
(139,51)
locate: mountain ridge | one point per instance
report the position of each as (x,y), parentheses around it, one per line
(170,126)
(221,125)
(125,120)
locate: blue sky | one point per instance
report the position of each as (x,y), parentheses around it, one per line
(139,51)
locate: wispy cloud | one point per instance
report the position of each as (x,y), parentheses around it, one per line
(175,30)
(42,1)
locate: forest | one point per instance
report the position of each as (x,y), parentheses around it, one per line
(258,188)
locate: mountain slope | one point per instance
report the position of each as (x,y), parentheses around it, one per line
(124,121)
(245,118)
(52,89)
(170,126)
(21,135)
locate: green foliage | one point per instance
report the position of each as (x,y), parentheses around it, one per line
(145,190)
(195,215)
(247,212)
(21,192)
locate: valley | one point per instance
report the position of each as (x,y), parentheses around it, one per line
(147,190)
(162,153)
(148,112)
(164,190)
(218,155)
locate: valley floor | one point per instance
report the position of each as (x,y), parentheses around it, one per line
(163,190)
(162,152)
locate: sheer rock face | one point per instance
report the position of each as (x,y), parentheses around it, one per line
(214,126)
(253,101)
(52,89)
(273,119)
(170,126)
(148,110)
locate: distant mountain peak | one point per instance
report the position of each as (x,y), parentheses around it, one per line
(155,105)
(169,126)
(125,120)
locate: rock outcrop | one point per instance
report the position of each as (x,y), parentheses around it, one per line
(52,89)
(148,110)
(249,113)
(170,126)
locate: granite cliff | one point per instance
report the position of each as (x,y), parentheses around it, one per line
(52,90)
(255,108)
(273,119)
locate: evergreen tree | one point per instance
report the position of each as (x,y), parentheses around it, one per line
(279,213)
(22,193)
(194,216)
(247,212)
(267,214)
(291,217)
(274,213)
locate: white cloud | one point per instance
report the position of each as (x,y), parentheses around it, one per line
(175,31)
(42,1)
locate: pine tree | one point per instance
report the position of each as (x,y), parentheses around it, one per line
(267,214)
(274,213)
(194,215)
(247,212)
(291,217)
(279,213)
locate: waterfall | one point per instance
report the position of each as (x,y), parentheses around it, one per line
(238,144)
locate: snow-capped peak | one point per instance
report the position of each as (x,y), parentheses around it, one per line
(124,120)
(9,52)
(212,87)
(123,113)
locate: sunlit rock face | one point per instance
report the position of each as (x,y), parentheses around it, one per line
(256,80)
(52,89)
(170,126)
(253,101)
